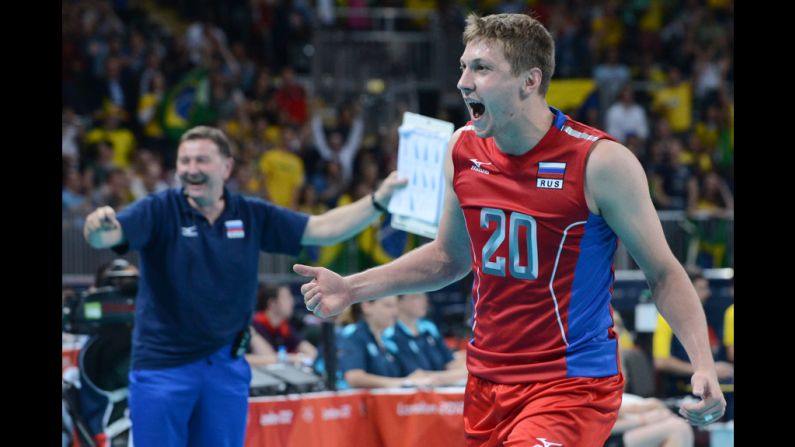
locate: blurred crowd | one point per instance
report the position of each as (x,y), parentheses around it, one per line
(133,80)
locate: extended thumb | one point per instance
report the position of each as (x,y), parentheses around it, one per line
(305,270)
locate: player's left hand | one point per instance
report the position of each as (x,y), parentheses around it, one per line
(712,404)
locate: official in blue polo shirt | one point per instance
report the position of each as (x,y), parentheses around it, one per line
(418,345)
(365,359)
(199,256)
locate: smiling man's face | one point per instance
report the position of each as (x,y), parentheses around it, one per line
(202,170)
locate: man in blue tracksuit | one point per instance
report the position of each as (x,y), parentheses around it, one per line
(199,256)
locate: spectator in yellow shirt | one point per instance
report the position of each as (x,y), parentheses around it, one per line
(283,170)
(675,102)
(122,140)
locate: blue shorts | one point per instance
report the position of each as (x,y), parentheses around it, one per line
(199,404)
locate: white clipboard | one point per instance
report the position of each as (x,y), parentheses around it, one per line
(417,207)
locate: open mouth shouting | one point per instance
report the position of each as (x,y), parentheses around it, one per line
(476,109)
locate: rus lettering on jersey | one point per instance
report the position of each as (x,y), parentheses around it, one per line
(550,175)
(549,184)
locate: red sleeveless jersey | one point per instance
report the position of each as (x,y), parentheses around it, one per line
(542,262)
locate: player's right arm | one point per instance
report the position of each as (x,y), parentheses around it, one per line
(429,267)
(102,229)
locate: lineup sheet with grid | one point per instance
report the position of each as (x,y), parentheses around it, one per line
(423,141)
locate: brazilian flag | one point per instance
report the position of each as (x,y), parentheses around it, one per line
(187,104)
(570,94)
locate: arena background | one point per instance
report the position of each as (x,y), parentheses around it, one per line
(135,74)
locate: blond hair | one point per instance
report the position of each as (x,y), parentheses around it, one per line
(525,41)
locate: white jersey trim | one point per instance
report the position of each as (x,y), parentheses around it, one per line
(477,289)
(552,279)
(578,134)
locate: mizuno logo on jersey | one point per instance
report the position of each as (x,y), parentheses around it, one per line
(476,166)
(550,175)
(190,231)
(546,443)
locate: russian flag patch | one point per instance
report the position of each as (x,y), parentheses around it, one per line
(550,175)
(234,229)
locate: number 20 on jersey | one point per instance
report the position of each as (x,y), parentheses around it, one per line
(496,267)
